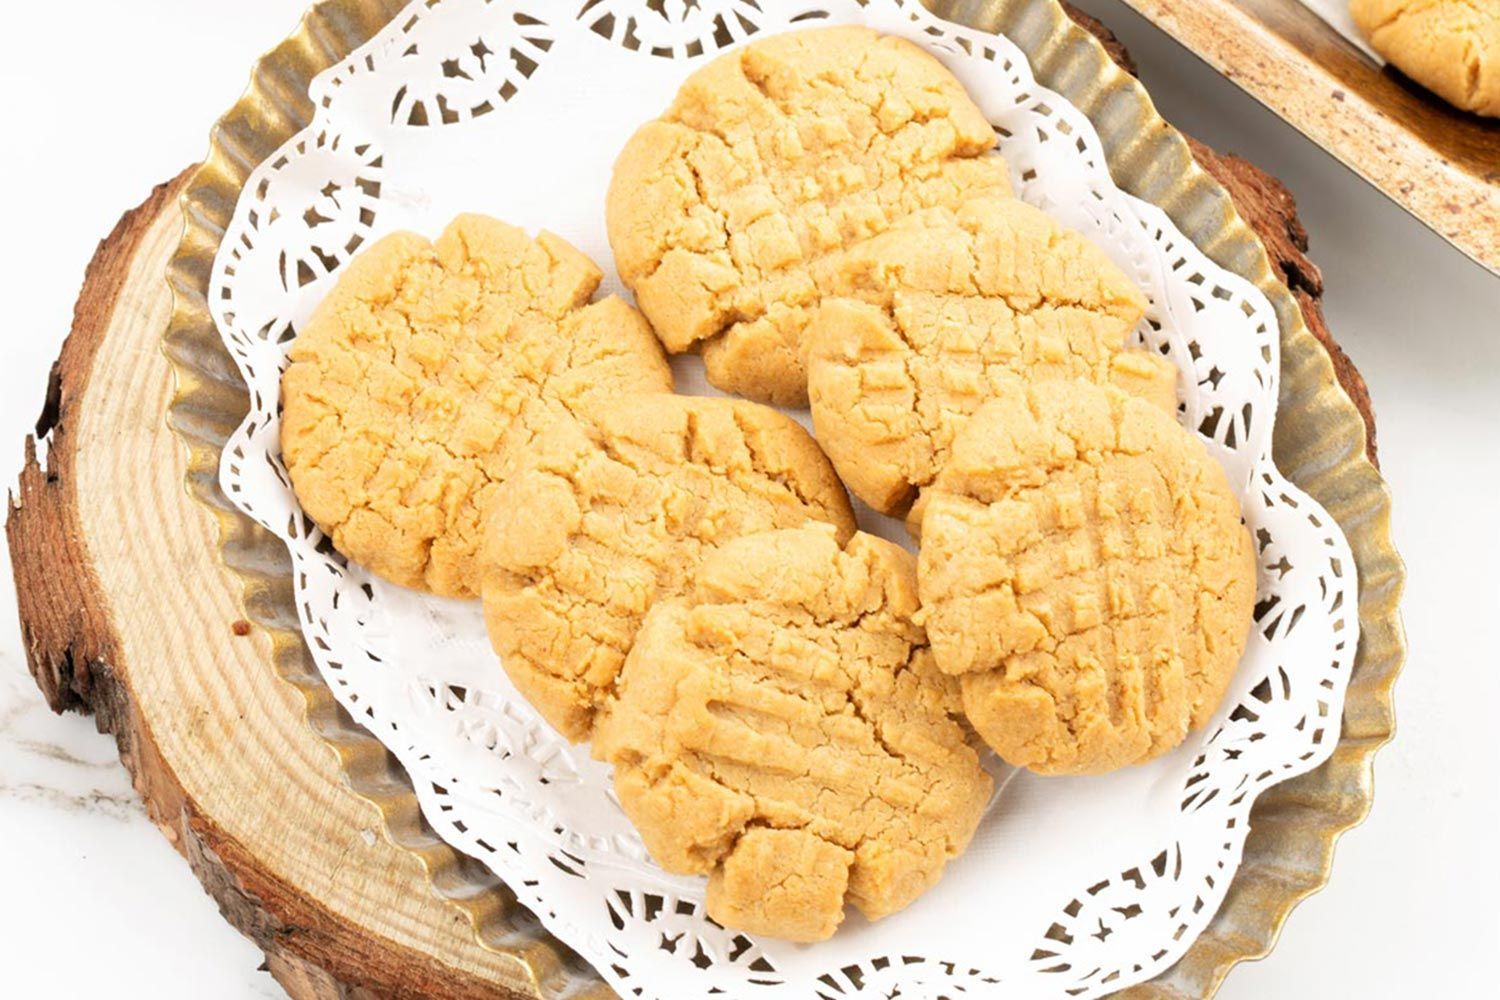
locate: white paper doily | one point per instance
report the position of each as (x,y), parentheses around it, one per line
(1073,886)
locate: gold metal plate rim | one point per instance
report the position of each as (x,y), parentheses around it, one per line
(1319,444)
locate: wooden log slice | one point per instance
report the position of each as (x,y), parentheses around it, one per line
(128,612)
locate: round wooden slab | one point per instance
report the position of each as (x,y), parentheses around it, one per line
(129,612)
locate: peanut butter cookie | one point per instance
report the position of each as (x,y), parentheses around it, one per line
(1451,47)
(602,520)
(728,214)
(1086,575)
(946,310)
(425,369)
(782,729)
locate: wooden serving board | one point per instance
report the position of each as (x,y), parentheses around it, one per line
(1439,163)
(129,613)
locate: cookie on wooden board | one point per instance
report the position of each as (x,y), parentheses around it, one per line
(1085,574)
(602,520)
(427,368)
(1451,47)
(729,213)
(946,310)
(782,728)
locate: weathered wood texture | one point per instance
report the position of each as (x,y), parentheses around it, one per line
(1440,164)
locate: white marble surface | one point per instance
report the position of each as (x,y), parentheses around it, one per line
(1410,909)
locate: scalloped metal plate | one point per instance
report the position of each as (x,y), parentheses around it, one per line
(1319,444)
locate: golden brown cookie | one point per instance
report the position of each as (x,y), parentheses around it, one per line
(782,729)
(728,214)
(1451,47)
(601,521)
(946,310)
(1085,574)
(425,369)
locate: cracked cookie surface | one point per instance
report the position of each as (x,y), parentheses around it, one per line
(425,370)
(729,213)
(1451,47)
(599,521)
(946,310)
(782,728)
(1085,574)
